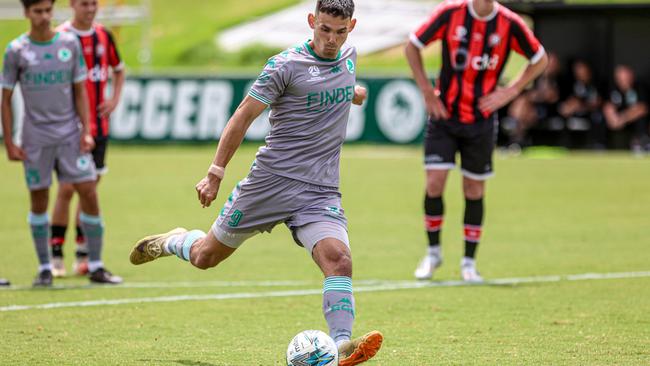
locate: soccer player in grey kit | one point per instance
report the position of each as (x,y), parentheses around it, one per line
(51,71)
(294,180)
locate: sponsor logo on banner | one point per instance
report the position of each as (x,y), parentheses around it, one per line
(400,111)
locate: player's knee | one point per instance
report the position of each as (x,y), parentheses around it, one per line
(435,189)
(473,189)
(341,262)
(88,194)
(65,192)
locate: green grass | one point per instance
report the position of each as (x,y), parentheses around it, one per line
(547,214)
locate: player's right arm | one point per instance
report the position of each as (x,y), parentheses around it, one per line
(433,29)
(14,153)
(9,80)
(231,139)
(268,87)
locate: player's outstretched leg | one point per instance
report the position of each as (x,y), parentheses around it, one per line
(153,247)
(201,250)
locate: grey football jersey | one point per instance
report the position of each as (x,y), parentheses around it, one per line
(46,72)
(310,99)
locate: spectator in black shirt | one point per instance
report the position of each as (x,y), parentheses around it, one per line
(626,111)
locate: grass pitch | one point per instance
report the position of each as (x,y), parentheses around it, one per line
(547,214)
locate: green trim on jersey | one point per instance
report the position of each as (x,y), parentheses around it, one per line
(47,43)
(260,98)
(313,53)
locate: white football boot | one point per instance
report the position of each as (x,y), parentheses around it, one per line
(428,264)
(468,271)
(58,267)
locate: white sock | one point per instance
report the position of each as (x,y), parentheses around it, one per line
(434,251)
(467,262)
(45,267)
(95,265)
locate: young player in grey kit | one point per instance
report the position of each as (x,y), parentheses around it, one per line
(295,178)
(51,71)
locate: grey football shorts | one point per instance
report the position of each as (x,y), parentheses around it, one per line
(263,200)
(66,159)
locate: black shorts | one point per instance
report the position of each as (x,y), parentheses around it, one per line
(99,155)
(475,142)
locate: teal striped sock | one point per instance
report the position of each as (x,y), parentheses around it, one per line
(180,245)
(337,283)
(338,307)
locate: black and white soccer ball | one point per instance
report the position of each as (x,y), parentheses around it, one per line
(312,348)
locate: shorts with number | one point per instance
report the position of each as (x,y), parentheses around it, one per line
(262,200)
(475,142)
(66,159)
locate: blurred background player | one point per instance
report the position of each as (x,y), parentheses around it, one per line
(583,103)
(476,36)
(50,68)
(626,111)
(535,105)
(295,178)
(101,56)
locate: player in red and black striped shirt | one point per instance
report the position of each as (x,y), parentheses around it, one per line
(476,36)
(102,57)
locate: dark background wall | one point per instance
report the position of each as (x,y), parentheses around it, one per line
(603,35)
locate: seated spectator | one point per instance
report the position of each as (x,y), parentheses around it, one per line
(626,111)
(582,107)
(535,105)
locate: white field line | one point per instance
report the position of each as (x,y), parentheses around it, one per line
(379,286)
(188,284)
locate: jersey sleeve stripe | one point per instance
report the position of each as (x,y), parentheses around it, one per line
(416,41)
(8,86)
(80,78)
(260,98)
(538,56)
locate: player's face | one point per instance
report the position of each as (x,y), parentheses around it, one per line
(624,77)
(330,33)
(84,10)
(40,14)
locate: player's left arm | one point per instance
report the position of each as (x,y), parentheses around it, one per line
(81,104)
(634,112)
(524,43)
(232,137)
(119,75)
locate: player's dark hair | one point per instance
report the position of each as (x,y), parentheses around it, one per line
(28,3)
(336,8)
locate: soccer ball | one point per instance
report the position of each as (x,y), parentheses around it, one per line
(312,348)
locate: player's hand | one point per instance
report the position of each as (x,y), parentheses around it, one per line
(15,153)
(105,109)
(87,143)
(207,189)
(497,99)
(435,107)
(360,95)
